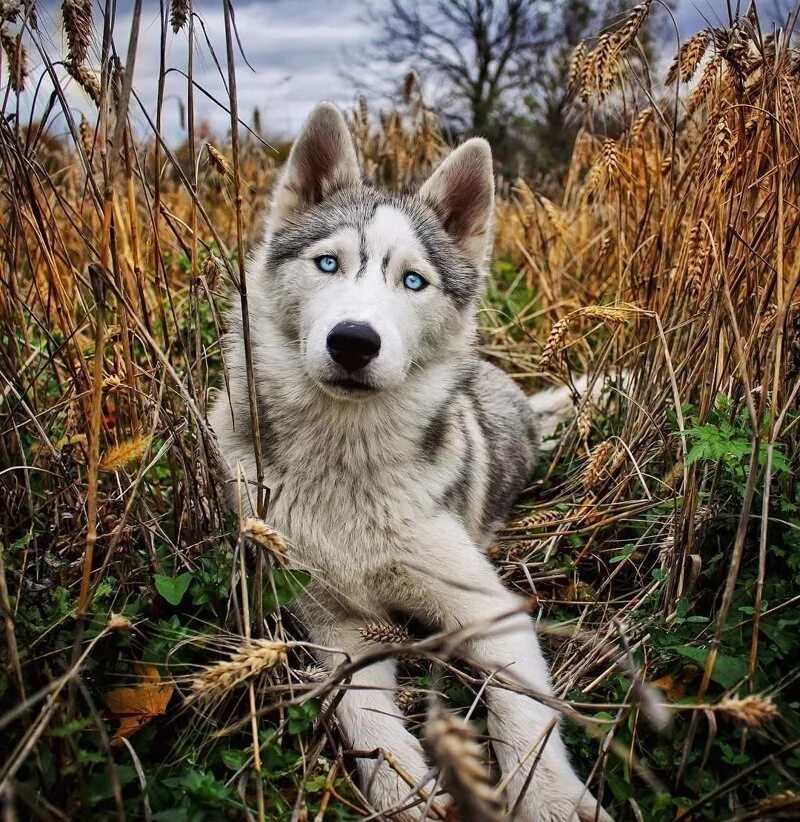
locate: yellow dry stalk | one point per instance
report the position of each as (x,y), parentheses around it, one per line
(249,662)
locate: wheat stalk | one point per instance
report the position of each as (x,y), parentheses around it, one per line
(599,465)
(553,344)
(78,28)
(17,58)
(178,14)
(219,161)
(688,58)
(452,746)
(385,634)
(259,532)
(249,662)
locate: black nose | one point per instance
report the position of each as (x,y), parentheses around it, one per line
(353,345)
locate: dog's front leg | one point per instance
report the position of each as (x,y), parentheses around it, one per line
(372,721)
(462,589)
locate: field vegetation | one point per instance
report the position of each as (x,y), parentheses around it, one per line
(149,669)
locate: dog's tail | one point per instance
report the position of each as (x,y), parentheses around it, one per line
(553,406)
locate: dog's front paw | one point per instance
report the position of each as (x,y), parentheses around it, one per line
(557,796)
(390,793)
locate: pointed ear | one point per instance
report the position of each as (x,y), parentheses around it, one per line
(461,192)
(322,160)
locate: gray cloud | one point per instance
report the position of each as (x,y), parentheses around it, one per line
(296,48)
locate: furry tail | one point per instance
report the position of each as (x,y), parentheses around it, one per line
(556,405)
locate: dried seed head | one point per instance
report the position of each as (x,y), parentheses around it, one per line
(453,747)
(613,314)
(576,64)
(641,123)
(87,136)
(584,423)
(212,269)
(218,161)
(553,344)
(599,465)
(688,58)
(85,79)
(627,33)
(118,622)
(17,58)
(410,85)
(610,157)
(723,148)
(10,10)
(405,699)
(259,532)
(386,634)
(78,28)
(539,519)
(697,255)
(179,14)
(249,662)
(124,454)
(752,711)
(709,82)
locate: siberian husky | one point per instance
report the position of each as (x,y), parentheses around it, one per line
(391,451)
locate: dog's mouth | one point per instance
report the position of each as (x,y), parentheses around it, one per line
(347,386)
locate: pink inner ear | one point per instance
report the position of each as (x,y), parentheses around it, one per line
(316,167)
(464,203)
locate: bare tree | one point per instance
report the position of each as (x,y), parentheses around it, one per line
(479,53)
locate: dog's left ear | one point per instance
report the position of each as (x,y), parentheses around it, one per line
(461,192)
(322,159)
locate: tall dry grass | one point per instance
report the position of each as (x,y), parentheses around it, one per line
(669,255)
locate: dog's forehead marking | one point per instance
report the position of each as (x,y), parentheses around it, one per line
(390,230)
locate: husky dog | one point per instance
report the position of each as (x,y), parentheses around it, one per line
(392,453)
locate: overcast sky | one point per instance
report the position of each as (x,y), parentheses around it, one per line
(297,49)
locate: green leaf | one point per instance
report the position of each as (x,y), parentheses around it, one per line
(173,588)
(235,760)
(728,670)
(289,584)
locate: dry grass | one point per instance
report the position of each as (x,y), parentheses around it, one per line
(669,252)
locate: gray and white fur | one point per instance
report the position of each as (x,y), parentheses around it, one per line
(391,451)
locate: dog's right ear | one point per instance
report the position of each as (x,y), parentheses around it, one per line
(322,160)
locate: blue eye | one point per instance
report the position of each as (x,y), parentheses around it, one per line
(327,263)
(414,281)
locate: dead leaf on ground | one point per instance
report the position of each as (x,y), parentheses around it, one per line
(135,706)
